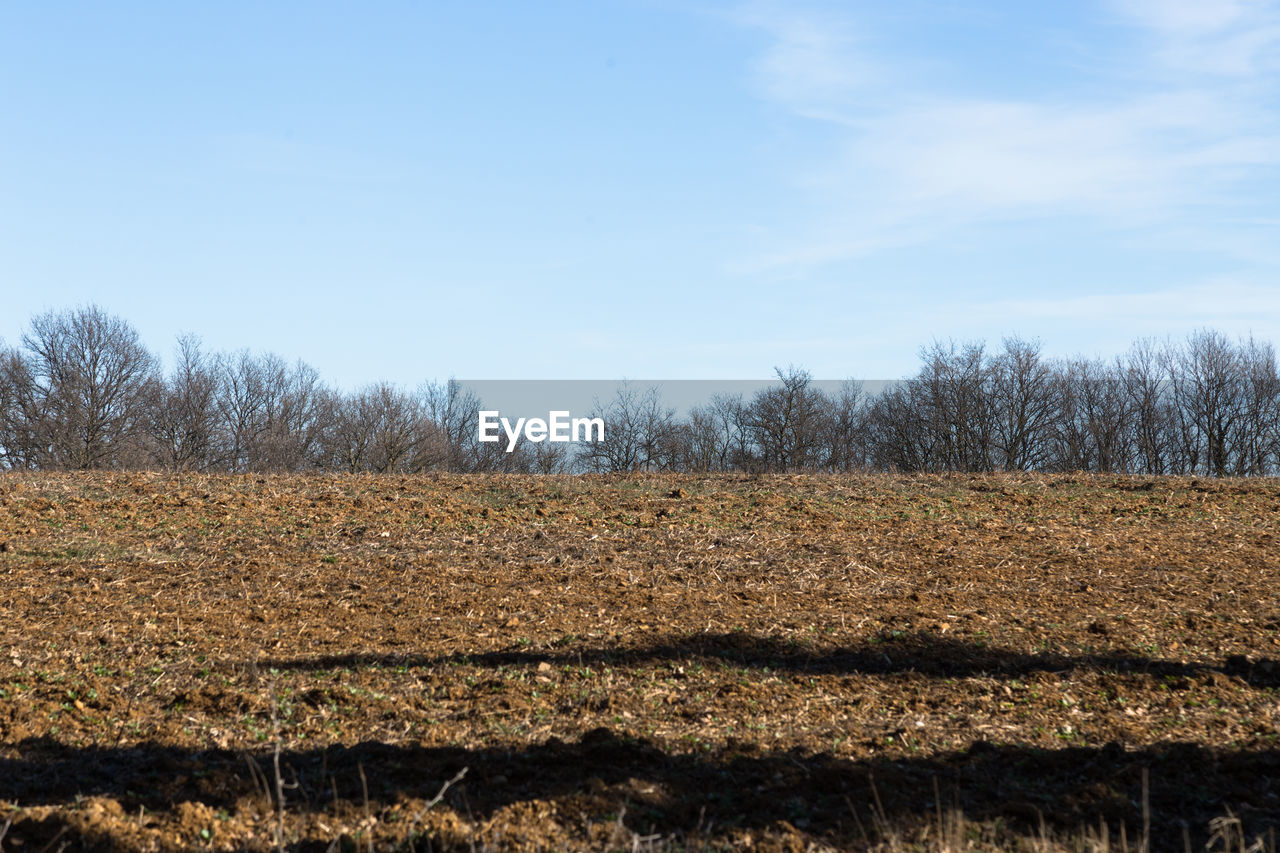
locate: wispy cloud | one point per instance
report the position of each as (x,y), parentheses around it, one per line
(990,157)
(1191,17)
(916,160)
(1223,37)
(813,64)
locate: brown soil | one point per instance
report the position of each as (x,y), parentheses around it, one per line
(635,662)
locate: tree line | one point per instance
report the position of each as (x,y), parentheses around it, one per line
(81,391)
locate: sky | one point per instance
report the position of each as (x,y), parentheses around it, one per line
(408,191)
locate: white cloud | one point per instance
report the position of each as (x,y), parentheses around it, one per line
(991,159)
(812,64)
(1223,37)
(1197,17)
(916,161)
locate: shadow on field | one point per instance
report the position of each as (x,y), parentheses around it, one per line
(596,777)
(909,652)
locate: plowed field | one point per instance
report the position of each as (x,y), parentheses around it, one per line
(653,662)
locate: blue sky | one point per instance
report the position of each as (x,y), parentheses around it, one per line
(642,188)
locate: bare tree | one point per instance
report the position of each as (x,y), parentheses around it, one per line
(83,392)
(20,412)
(1208,382)
(453,444)
(1257,437)
(697,443)
(379,428)
(787,422)
(1148,398)
(1109,416)
(295,413)
(898,430)
(843,444)
(183,415)
(637,435)
(240,399)
(729,412)
(952,385)
(1024,405)
(272,414)
(1093,425)
(349,440)
(89,372)
(397,420)
(544,457)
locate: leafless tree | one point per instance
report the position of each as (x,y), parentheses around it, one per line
(377,429)
(89,372)
(240,399)
(545,457)
(295,412)
(729,413)
(1024,402)
(897,429)
(1256,441)
(1147,393)
(83,392)
(788,422)
(843,445)
(1109,416)
(348,442)
(20,412)
(453,443)
(637,435)
(272,414)
(952,385)
(698,444)
(1092,429)
(182,418)
(1208,383)
(399,424)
